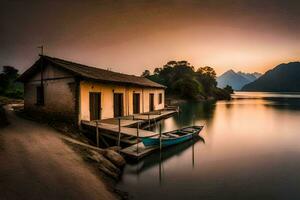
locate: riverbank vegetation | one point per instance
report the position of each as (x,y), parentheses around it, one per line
(4,101)
(8,85)
(183,80)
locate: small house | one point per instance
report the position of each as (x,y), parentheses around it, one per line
(58,88)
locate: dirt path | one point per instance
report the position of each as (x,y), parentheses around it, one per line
(36,164)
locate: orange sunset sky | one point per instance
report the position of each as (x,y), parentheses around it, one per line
(131,36)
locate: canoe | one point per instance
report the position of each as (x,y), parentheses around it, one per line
(173,137)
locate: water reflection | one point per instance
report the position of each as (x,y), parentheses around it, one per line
(190,113)
(154,159)
(251,151)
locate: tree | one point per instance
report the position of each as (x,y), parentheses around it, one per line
(182,80)
(229,89)
(157,70)
(207,76)
(10,72)
(4,83)
(146,73)
(187,88)
(208,71)
(8,85)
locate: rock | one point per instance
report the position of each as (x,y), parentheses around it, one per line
(114,157)
(99,158)
(115,148)
(108,172)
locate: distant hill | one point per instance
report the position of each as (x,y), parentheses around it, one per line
(283,78)
(256,74)
(250,76)
(236,80)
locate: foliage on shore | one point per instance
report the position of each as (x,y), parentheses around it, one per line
(8,85)
(3,119)
(184,81)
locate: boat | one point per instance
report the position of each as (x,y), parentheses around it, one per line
(173,137)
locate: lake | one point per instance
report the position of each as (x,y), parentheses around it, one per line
(250,150)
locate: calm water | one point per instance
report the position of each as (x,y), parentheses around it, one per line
(251,150)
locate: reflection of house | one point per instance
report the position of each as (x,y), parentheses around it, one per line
(78,92)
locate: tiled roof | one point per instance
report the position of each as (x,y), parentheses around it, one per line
(93,73)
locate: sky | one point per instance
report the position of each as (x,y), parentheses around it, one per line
(131,36)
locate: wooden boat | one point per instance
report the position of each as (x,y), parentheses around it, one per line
(173,137)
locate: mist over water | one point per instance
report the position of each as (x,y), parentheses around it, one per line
(250,150)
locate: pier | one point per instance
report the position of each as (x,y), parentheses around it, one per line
(138,151)
(127,130)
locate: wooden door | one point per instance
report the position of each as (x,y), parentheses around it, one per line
(118,105)
(136,103)
(151,102)
(95,106)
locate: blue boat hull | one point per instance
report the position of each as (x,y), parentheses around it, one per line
(166,142)
(170,141)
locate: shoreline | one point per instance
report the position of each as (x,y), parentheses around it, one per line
(108,178)
(109,181)
(106,168)
(49,152)
(173,100)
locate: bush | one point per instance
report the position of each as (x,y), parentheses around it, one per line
(187,88)
(221,94)
(229,89)
(8,85)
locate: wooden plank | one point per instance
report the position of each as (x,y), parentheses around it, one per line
(124,139)
(131,151)
(124,121)
(124,130)
(154,116)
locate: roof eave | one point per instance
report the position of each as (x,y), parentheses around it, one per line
(119,82)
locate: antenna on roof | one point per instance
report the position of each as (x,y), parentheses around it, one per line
(42,49)
(42,76)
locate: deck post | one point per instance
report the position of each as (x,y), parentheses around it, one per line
(193,155)
(119,134)
(97,134)
(193,120)
(149,124)
(160,144)
(137,138)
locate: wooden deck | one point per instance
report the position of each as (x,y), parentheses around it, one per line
(125,122)
(124,130)
(129,133)
(133,120)
(138,151)
(155,115)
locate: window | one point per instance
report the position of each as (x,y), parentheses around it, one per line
(160,98)
(39,95)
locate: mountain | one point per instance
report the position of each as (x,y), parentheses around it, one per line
(283,78)
(257,75)
(250,76)
(236,80)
